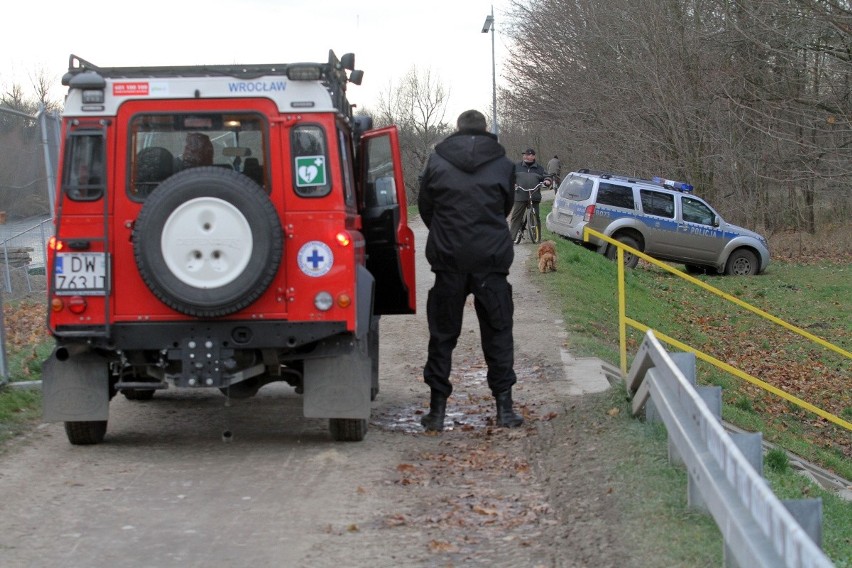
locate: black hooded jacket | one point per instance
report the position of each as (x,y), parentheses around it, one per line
(466,193)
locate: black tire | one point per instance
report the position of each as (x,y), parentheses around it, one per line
(533,226)
(630,260)
(201,208)
(347,429)
(742,262)
(138,394)
(86,433)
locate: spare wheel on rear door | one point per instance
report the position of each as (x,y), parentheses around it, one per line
(208,242)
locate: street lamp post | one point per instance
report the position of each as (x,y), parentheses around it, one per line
(489,25)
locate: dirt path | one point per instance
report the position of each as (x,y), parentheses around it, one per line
(165,490)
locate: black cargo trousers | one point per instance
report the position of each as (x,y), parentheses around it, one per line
(492,296)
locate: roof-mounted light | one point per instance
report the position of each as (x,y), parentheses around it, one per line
(676,185)
(304,72)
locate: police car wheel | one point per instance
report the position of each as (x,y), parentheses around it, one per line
(630,260)
(208,242)
(742,262)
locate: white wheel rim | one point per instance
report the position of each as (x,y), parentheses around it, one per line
(206,243)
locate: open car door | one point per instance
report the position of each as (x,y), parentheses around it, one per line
(390,241)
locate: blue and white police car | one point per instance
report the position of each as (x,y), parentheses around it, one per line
(659,217)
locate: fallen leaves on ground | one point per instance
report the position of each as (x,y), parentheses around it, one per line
(25,324)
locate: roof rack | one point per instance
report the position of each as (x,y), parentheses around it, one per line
(332,74)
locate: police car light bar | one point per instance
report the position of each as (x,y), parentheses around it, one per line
(676,185)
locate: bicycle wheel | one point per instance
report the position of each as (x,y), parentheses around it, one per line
(533,226)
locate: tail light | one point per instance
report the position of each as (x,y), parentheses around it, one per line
(74,304)
(55,244)
(590,212)
(343,238)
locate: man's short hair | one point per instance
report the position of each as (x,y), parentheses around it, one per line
(471,120)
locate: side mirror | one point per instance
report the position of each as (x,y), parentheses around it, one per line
(717,221)
(347,61)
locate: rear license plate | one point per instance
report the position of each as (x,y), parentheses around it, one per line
(80,273)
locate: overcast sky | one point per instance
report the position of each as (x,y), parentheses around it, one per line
(387,37)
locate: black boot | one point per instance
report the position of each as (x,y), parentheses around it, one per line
(434,421)
(506,417)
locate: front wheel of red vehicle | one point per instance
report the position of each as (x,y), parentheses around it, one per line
(208,242)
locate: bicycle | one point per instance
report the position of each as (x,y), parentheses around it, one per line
(531,223)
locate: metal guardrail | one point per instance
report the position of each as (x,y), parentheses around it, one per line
(759,530)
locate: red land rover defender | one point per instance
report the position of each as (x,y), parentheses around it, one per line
(224,227)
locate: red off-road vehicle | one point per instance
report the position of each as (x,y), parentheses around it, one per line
(222,227)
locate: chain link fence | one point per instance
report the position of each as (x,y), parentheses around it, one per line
(29,148)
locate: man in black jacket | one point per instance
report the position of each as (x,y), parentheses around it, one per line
(466,192)
(528,174)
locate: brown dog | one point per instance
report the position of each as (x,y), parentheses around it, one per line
(547,256)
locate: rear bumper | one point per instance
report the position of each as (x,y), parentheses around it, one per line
(234,334)
(557,222)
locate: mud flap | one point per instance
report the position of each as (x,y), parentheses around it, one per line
(339,387)
(75,389)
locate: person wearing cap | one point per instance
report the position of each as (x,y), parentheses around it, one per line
(528,174)
(466,192)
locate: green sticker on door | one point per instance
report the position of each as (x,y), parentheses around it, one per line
(310,171)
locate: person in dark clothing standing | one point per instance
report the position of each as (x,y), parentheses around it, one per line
(466,192)
(528,174)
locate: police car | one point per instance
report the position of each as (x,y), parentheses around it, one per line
(659,217)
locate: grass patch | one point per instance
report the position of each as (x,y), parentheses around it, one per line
(27,345)
(20,408)
(663,497)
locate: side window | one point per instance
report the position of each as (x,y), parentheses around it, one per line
(84,175)
(615,195)
(657,203)
(381,187)
(309,153)
(695,211)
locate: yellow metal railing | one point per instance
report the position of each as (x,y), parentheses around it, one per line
(624,321)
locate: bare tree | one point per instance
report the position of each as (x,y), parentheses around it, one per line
(749,100)
(417,104)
